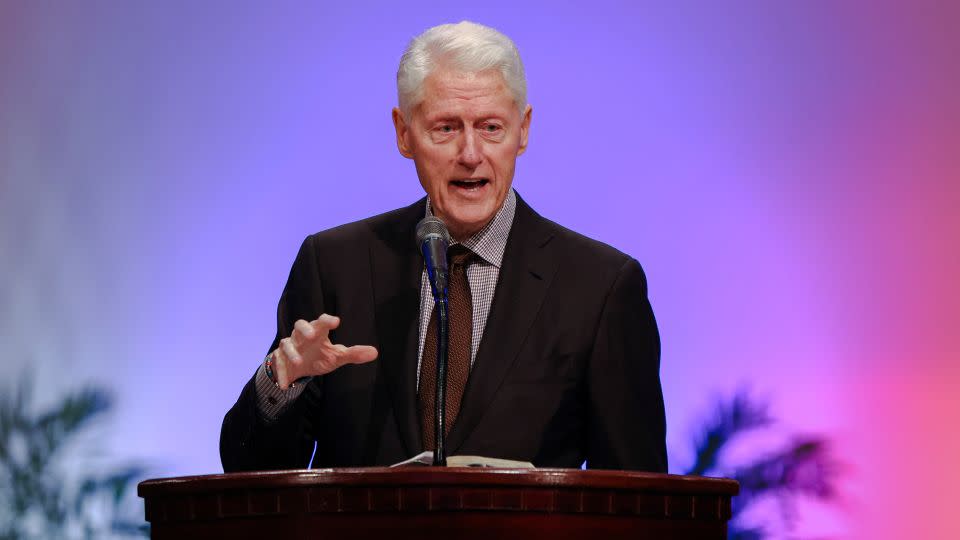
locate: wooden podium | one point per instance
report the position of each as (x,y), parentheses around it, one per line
(427,502)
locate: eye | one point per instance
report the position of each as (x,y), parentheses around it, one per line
(491,128)
(446,128)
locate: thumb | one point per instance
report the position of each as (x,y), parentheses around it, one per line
(360,354)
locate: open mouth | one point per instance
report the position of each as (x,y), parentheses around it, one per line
(470,183)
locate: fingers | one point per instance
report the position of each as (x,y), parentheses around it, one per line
(290,350)
(288,366)
(280,368)
(303,332)
(324,323)
(308,350)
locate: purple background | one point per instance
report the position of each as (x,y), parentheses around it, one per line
(788,173)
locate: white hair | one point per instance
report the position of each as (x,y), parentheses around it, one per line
(465,46)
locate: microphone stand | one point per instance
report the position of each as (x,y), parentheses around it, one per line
(433,240)
(439,416)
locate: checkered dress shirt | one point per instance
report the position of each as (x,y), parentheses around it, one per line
(489,244)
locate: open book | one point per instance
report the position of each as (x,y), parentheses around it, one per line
(426,458)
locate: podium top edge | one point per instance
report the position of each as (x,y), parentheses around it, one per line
(441,476)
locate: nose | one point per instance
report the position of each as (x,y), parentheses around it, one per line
(470,154)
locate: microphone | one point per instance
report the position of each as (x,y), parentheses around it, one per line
(433,239)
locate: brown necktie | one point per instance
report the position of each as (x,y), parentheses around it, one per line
(458,351)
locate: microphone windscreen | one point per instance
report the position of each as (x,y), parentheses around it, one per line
(432,225)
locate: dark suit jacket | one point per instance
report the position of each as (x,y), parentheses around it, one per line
(567,370)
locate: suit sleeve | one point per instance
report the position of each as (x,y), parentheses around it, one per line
(248,439)
(627,421)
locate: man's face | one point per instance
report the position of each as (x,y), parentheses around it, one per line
(464,138)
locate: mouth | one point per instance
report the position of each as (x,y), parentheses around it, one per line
(470,184)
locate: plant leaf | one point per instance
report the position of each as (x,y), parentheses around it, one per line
(731,418)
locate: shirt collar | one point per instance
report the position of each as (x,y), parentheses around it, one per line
(491,241)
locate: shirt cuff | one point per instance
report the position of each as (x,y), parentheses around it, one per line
(271,400)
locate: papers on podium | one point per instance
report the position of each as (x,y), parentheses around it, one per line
(426,459)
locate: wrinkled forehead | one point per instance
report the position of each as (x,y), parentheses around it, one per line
(458,90)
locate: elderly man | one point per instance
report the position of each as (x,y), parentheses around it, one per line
(554,351)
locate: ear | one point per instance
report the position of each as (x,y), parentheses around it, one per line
(402,133)
(525,129)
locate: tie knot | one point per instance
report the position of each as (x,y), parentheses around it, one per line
(460,255)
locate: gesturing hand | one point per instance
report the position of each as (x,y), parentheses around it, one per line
(308,351)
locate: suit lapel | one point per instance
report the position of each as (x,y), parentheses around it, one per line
(396,267)
(525,275)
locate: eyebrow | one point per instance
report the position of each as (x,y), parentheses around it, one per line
(443,117)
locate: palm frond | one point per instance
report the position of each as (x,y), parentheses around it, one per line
(115,484)
(804,467)
(32,458)
(730,418)
(74,411)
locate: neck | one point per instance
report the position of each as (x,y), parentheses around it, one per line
(462,234)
